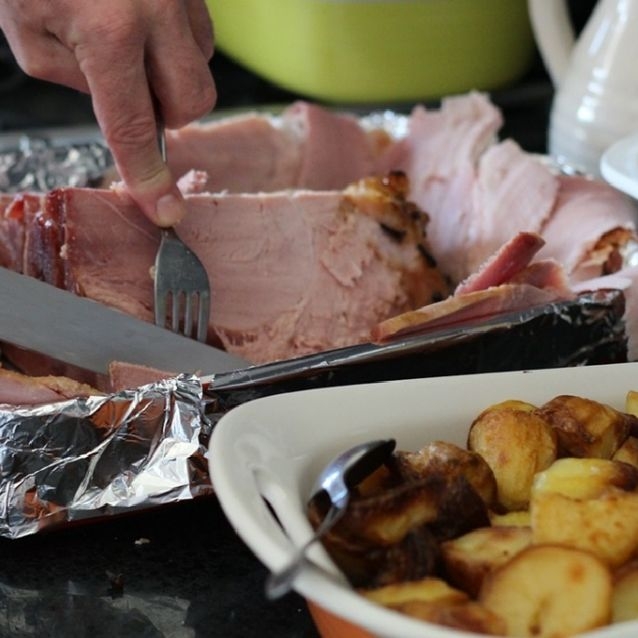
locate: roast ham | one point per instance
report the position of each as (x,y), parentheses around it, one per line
(293,272)
(312,225)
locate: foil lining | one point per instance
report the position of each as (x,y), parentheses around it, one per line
(102,455)
(37,164)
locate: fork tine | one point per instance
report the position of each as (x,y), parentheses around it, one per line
(187,326)
(160,310)
(176,314)
(203,310)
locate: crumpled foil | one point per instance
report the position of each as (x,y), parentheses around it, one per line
(37,164)
(102,455)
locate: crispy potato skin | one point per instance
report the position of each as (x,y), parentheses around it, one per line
(516,443)
(586,428)
(441,457)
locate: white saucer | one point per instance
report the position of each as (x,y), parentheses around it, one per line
(619,165)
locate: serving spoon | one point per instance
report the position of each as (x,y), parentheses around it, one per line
(336,480)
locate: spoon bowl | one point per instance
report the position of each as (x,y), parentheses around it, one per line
(337,480)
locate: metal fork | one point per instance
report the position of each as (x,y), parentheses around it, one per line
(180,278)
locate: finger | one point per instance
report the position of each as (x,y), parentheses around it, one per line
(44,57)
(124,109)
(201,26)
(179,71)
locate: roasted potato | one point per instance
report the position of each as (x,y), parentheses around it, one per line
(624,599)
(586,428)
(440,457)
(583,503)
(519,518)
(432,599)
(628,451)
(425,590)
(548,591)
(469,558)
(516,443)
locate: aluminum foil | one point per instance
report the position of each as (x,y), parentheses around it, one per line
(38,164)
(102,455)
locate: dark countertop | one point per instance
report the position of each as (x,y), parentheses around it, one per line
(179,571)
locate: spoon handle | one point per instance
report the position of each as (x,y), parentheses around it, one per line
(280,583)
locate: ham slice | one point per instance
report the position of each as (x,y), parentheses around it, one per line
(246,153)
(293,272)
(591,222)
(20,389)
(507,282)
(507,262)
(440,155)
(470,307)
(513,192)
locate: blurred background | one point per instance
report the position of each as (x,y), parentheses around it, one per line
(26,104)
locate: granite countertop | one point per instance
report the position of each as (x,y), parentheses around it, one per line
(179,571)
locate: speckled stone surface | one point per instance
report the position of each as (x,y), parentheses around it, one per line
(174,572)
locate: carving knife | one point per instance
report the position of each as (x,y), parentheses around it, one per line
(40,317)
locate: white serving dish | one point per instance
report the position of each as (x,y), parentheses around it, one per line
(275,446)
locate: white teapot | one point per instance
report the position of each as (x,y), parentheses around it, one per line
(595,77)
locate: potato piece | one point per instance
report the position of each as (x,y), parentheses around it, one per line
(631,403)
(466,616)
(624,601)
(580,503)
(425,590)
(585,478)
(469,558)
(628,452)
(450,460)
(520,518)
(586,428)
(516,443)
(547,591)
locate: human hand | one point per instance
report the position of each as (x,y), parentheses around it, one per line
(132,56)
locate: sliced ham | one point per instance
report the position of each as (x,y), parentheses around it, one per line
(126,376)
(245,153)
(440,155)
(292,272)
(505,263)
(470,307)
(513,192)
(589,225)
(20,389)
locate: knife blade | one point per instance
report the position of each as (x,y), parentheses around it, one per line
(73,329)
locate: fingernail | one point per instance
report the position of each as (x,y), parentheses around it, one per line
(169,210)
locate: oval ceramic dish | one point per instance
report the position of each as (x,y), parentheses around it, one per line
(274,447)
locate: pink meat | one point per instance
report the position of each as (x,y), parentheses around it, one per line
(246,153)
(292,272)
(508,261)
(440,155)
(585,211)
(295,272)
(125,376)
(513,192)
(335,149)
(20,389)
(460,309)
(545,273)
